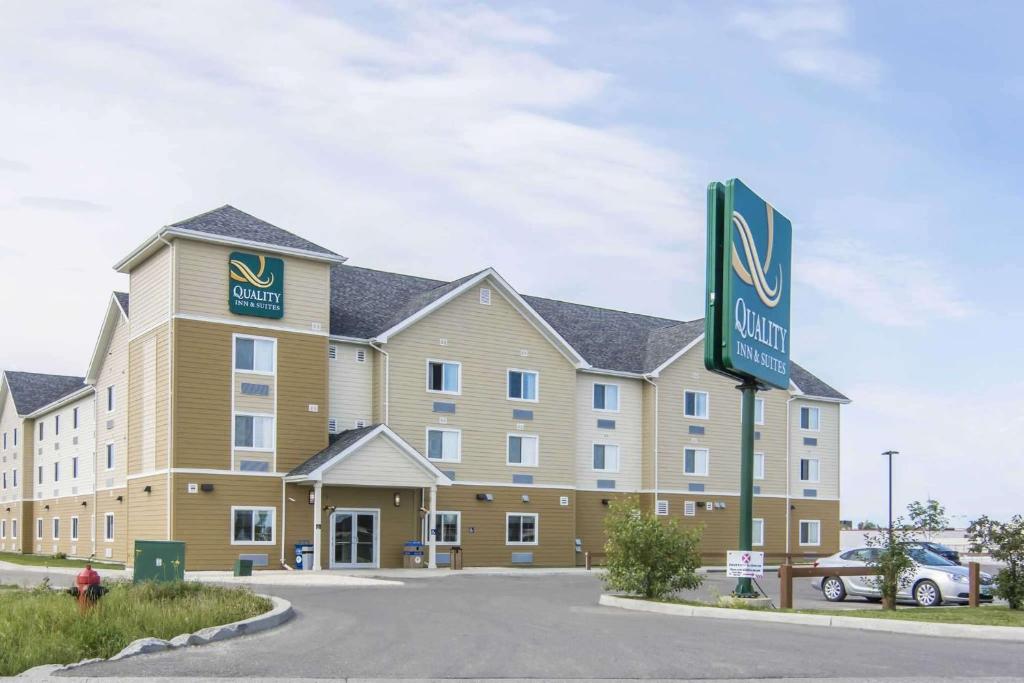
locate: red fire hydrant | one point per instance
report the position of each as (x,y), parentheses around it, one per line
(85,582)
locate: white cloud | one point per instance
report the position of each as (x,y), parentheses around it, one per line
(807,37)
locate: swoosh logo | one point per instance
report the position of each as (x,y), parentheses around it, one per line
(749,268)
(240,272)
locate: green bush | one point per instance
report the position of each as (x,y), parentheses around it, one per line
(648,556)
(893,561)
(1005,541)
(43,626)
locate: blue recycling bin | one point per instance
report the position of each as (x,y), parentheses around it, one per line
(304,555)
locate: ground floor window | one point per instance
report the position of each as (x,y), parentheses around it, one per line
(108,526)
(758,533)
(252,526)
(448,526)
(14,528)
(521,528)
(39,529)
(810,532)
(3,528)
(56,528)
(74,528)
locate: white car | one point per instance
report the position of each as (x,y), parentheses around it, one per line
(936,580)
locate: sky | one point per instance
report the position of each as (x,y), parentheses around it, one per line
(569,146)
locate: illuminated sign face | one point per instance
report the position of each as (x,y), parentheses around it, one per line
(255,285)
(749,288)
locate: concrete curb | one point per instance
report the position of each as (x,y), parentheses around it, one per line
(916,628)
(280,613)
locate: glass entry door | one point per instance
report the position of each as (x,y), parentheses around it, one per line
(355,538)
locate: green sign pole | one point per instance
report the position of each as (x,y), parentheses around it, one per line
(744,589)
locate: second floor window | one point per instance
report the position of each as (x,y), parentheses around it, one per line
(810,418)
(74,467)
(810,470)
(444,445)
(39,474)
(523,450)
(40,431)
(606,457)
(110,399)
(758,465)
(254,355)
(74,418)
(255,432)
(606,397)
(695,461)
(56,471)
(56,425)
(443,376)
(695,404)
(110,456)
(522,385)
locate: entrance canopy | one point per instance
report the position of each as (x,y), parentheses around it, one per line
(369,456)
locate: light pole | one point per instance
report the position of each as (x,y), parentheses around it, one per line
(890,454)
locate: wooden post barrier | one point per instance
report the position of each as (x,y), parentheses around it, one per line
(586,559)
(974,587)
(788,572)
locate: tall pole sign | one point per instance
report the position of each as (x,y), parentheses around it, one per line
(746,326)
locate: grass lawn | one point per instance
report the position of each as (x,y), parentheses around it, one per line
(43,626)
(50,561)
(989,615)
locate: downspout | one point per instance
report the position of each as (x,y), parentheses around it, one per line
(284,518)
(789,474)
(387,381)
(647,378)
(170,381)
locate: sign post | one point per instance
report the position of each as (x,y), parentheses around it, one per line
(746,323)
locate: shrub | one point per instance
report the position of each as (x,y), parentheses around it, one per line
(647,556)
(894,562)
(1005,541)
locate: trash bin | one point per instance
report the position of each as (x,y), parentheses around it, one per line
(412,556)
(456,557)
(307,557)
(243,567)
(300,563)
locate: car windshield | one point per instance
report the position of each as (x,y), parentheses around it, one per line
(938,547)
(928,558)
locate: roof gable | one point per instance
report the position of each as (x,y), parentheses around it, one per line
(33,390)
(117,312)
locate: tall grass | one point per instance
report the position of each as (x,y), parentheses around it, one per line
(43,626)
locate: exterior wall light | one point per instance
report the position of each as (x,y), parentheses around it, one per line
(526,499)
(312,497)
(120,499)
(488,497)
(147,489)
(398,499)
(46,507)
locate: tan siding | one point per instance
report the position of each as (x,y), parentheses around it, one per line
(487,546)
(150,288)
(627,435)
(106,501)
(63,509)
(397,525)
(590,514)
(827,512)
(487,340)
(254,404)
(201,285)
(722,429)
(721,526)
(351,382)
(146,430)
(378,463)
(826,450)
(147,512)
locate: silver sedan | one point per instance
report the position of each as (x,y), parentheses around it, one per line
(936,580)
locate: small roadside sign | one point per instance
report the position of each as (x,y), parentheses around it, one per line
(744,564)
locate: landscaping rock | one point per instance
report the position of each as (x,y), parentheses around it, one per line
(185,640)
(43,671)
(217,633)
(140,647)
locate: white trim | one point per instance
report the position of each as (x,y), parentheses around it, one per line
(618,397)
(349,340)
(800,535)
(380,430)
(253,508)
(707,462)
(678,354)
(707,404)
(507,485)
(458,527)
(376,538)
(521,435)
(458,449)
(458,391)
(618,457)
(508,385)
(755,542)
(611,373)
(536,528)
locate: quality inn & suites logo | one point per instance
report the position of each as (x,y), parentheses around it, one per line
(255,285)
(749,269)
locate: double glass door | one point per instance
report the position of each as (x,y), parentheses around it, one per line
(356,535)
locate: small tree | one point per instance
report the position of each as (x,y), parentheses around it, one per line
(647,556)
(929,517)
(893,561)
(865,526)
(1005,541)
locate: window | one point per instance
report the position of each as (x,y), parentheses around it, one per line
(39,474)
(14,479)
(15,436)
(3,528)
(5,441)
(810,532)
(110,398)
(448,526)
(810,418)
(758,465)
(810,469)
(522,450)
(5,480)
(758,410)
(606,457)
(74,418)
(74,467)
(56,471)
(606,397)
(14,528)
(444,376)
(758,532)
(444,445)
(110,456)
(254,355)
(695,461)
(253,465)
(485,296)
(56,425)
(39,529)
(56,528)
(695,404)
(108,526)
(252,526)
(522,385)
(40,430)
(74,528)
(254,432)
(521,528)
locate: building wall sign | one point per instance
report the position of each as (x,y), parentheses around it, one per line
(255,285)
(749,288)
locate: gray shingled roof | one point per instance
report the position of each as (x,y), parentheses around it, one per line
(122,300)
(227,221)
(33,390)
(366,302)
(339,442)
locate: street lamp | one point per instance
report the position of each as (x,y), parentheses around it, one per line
(890,454)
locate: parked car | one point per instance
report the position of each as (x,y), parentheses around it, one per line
(936,580)
(941,550)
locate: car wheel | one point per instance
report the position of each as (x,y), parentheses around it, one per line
(926,594)
(833,589)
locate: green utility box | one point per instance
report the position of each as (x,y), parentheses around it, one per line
(159,561)
(243,567)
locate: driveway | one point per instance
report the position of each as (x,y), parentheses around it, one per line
(537,626)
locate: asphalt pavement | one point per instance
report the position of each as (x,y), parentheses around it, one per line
(477,626)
